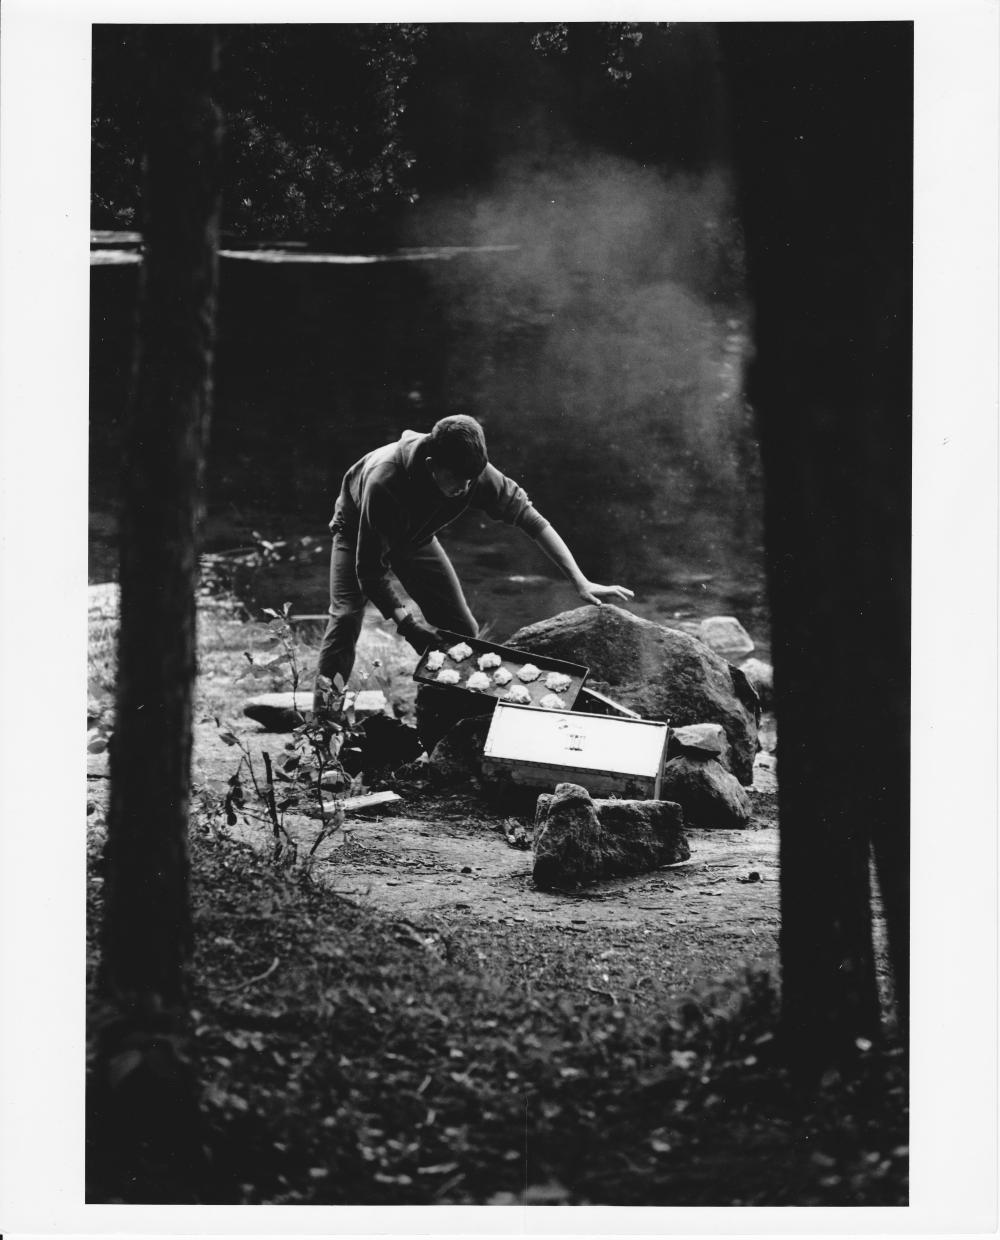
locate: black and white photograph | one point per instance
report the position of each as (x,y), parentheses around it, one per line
(517,499)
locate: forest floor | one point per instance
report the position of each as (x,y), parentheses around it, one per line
(402,1018)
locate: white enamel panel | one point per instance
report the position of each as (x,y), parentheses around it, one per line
(576,740)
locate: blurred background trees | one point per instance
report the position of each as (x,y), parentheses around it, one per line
(336,131)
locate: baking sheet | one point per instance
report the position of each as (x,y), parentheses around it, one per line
(513,660)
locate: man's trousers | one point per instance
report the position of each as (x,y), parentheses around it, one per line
(427,576)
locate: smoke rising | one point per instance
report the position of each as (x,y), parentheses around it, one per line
(604,345)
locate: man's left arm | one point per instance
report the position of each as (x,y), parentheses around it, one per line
(502,499)
(590,591)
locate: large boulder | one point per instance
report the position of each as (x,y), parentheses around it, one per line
(706,792)
(580,840)
(662,673)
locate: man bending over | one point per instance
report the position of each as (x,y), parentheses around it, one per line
(392,503)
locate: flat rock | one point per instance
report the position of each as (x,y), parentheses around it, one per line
(367,702)
(276,718)
(283,712)
(579,840)
(707,793)
(726,636)
(661,673)
(708,739)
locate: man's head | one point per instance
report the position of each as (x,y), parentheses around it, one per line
(456,453)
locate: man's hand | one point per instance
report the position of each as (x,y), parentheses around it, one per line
(560,555)
(591,592)
(420,636)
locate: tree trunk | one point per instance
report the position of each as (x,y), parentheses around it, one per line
(822,124)
(145,1082)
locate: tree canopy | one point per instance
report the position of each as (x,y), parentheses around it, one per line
(334,131)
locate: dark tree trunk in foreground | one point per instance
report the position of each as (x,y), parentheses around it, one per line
(146,1080)
(822,121)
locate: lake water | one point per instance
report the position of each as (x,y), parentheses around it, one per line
(615,401)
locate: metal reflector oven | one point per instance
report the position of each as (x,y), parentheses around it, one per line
(607,755)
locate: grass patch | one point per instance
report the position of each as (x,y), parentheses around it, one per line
(385,1062)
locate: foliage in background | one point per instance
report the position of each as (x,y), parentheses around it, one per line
(330,125)
(616,40)
(312,116)
(314,125)
(241,571)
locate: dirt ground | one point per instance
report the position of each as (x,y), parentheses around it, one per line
(416,866)
(443,859)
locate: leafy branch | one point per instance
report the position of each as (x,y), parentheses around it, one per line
(312,755)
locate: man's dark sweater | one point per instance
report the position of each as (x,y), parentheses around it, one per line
(389,504)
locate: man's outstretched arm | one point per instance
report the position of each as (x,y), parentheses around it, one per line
(560,555)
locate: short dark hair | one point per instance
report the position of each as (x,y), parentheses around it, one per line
(457,444)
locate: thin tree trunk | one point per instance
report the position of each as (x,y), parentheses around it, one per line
(146,933)
(822,134)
